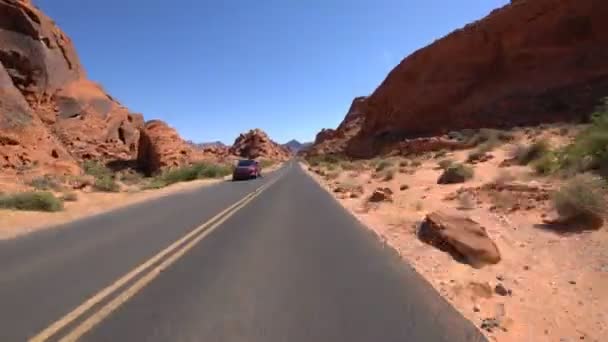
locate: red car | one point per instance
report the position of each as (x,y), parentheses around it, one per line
(247,169)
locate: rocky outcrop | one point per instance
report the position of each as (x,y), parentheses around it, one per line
(160,146)
(51,116)
(460,236)
(529,62)
(295,146)
(256,144)
(334,141)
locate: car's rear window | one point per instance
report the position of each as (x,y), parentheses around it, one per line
(246,162)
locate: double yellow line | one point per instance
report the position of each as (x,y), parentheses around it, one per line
(146,272)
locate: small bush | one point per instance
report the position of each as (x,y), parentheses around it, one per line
(455,135)
(444,164)
(582,198)
(45,183)
(106,184)
(388,175)
(70,197)
(416,163)
(348,165)
(456,173)
(155,183)
(589,151)
(476,155)
(193,172)
(383,164)
(31,201)
(491,137)
(264,163)
(440,154)
(95,168)
(466,201)
(404,163)
(546,165)
(131,178)
(525,155)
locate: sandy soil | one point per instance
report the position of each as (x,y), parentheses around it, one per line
(559,282)
(15,223)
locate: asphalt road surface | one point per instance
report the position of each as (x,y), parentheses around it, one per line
(285,262)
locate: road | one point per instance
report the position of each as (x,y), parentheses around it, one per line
(287,263)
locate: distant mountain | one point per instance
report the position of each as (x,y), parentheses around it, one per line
(208,144)
(296,146)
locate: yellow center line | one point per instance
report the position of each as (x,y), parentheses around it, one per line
(97,317)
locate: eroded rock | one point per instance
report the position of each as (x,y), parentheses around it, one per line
(459,235)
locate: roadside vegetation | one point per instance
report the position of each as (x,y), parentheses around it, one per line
(189,173)
(31,201)
(104,177)
(582,199)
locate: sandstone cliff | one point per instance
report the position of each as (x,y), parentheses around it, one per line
(530,62)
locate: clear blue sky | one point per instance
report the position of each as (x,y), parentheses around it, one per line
(213,69)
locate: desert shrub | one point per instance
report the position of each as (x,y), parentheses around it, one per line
(70,197)
(213,170)
(348,165)
(546,165)
(324,159)
(456,173)
(524,155)
(455,135)
(491,137)
(416,163)
(383,164)
(264,163)
(444,164)
(44,183)
(131,178)
(388,174)
(106,184)
(581,198)
(155,183)
(95,168)
(466,201)
(404,163)
(589,151)
(477,154)
(440,154)
(31,201)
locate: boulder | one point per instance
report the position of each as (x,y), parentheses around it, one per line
(160,146)
(256,144)
(381,195)
(460,236)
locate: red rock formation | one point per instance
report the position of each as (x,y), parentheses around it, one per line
(529,62)
(160,146)
(256,144)
(330,141)
(51,116)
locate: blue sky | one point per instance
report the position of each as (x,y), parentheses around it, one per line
(213,69)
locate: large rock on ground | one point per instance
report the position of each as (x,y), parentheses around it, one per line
(460,236)
(256,144)
(529,62)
